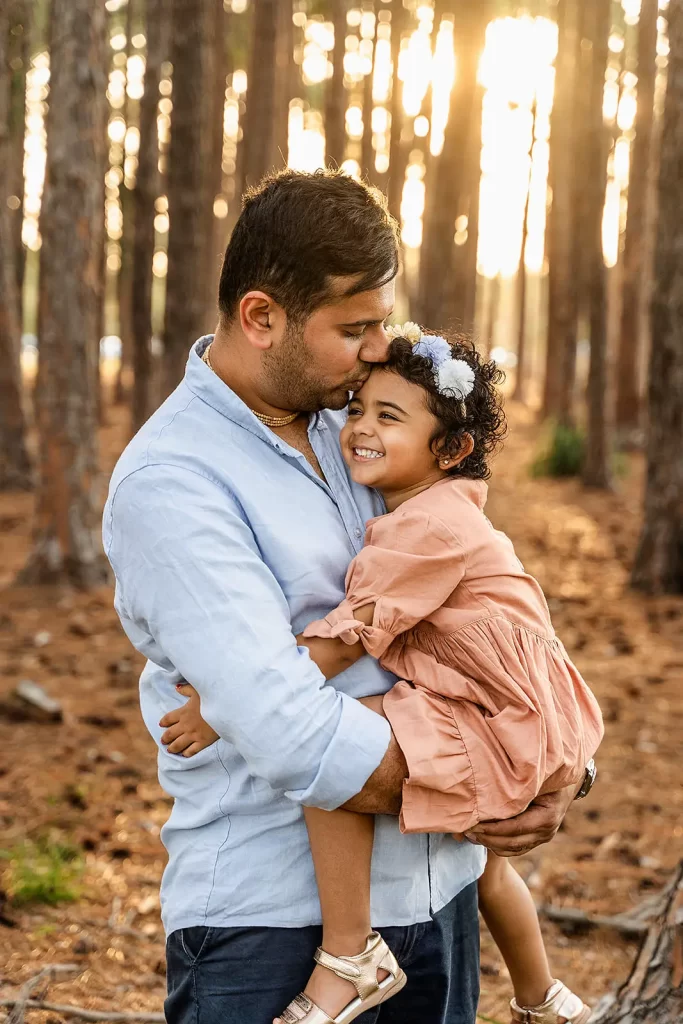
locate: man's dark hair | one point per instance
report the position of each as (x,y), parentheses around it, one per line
(480,415)
(297,231)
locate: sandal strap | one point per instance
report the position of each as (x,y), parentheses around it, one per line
(559,1003)
(303,1010)
(361,969)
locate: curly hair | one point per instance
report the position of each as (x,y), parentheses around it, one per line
(480,415)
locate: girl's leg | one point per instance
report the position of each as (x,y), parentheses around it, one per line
(510,914)
(341,844)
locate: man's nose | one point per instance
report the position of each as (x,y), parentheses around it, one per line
(375,347)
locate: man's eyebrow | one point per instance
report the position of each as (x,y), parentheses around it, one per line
(363,323)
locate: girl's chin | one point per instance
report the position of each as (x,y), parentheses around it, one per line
(367,473)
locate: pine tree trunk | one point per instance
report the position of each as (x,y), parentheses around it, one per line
(521,369)
(216,228)
(367,159)
(284,58)
(597,468)
(20,52)
(562,224)
(15,469)
(259,118)
(636,253)
(148,187)
(67,544)
(189,201)
(449,180)
(398,153)
(653,991)
(125,274)
(335,93)
(659,561)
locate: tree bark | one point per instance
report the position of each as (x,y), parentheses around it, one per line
(597,468)
(367,159)
(398,153)
(284,59)
(659,560)
(637,256)
(520,375)
(561,235)
(128,211)
(66,543)
(15,467)
(216,227)
(335,93)
(259,118)
(450,188)
(20,52)
(653,991)
(189,202)
(147,188)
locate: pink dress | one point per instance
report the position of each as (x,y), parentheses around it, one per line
(491,711)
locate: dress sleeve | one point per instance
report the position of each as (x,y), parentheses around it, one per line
(410,564)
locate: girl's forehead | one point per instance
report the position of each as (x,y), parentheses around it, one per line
(383,382)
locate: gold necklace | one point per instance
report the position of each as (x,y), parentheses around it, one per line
(269,421)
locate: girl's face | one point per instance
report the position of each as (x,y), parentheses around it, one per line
(386,439)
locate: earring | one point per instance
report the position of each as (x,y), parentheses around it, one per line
(446,462)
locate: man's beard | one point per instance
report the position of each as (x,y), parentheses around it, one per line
(289,382)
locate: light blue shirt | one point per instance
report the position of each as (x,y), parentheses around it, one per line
(225,543)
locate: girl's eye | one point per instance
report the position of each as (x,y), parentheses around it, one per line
(354,412)
(387,416)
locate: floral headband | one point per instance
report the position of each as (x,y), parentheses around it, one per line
(454,377)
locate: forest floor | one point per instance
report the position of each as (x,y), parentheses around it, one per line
(85,788)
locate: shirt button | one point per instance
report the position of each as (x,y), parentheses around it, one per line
(359,533)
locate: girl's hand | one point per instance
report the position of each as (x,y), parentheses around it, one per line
(186,731)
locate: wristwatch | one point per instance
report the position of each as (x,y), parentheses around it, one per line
(588,780)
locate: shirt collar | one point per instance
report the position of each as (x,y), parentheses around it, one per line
(207,386)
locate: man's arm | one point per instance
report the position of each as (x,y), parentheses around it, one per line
(190,574)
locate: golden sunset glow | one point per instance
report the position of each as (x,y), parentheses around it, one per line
(517,74)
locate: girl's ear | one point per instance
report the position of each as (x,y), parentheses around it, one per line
(454,455)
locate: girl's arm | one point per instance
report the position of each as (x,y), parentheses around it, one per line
(331,654)
(186,731)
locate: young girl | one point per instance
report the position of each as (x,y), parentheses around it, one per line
(491,712)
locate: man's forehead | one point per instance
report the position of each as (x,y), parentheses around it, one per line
(375,304)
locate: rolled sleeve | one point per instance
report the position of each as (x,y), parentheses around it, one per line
(355,750)
(191,580)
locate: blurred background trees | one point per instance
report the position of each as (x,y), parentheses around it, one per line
(518,145)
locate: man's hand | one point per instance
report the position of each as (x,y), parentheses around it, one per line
(186,731)
(537,825)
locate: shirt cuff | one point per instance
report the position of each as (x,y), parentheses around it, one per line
(354,752)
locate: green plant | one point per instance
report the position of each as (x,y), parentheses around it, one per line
(45,870)
(562,452)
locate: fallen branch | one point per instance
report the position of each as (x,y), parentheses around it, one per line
(636,922)
(23,1000)
(88,1015)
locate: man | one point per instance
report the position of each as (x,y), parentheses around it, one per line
(230,523)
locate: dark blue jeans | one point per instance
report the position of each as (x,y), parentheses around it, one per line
(248,975)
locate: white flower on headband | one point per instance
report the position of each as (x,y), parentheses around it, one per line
(456,376)
(409,330)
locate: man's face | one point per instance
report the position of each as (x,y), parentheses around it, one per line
(316,364)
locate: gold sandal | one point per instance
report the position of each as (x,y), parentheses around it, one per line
(559,1004)
(361,971)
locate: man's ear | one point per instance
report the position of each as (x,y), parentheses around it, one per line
(257,312)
